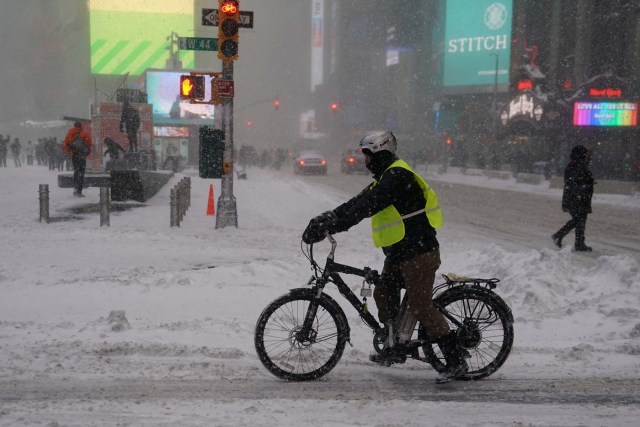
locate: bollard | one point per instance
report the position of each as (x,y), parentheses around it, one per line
(44,202)
(105,206)
(173,205)
(180,198)
(188,191)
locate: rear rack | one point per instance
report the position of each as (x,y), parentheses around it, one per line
(452,279)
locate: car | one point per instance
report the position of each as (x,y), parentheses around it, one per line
(352,161)
(310,162)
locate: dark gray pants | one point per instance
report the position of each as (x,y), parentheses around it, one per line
(579,222)
(417,276)
(79,165)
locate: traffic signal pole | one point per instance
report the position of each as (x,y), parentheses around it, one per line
(227,214)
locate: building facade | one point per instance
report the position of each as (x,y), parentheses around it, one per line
(508,83)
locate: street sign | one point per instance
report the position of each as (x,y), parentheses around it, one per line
(225,88)
(210,18)
(198,43)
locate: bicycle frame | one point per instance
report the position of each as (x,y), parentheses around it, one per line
(331,273)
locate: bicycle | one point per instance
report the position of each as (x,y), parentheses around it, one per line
(301,335)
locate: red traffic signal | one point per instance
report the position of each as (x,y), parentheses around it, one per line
(228,25)
(276,104)
(334,107)
(191,87)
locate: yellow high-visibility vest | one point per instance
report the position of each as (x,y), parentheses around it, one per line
(387,226)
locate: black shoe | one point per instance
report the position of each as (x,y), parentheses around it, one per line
(557,240)
(453,372)
(583,248)
(388,357)
(455,357)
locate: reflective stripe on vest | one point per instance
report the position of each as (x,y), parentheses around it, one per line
(387,226)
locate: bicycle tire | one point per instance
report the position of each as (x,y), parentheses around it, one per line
(288,358)
(488,336)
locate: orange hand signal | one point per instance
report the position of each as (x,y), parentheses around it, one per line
(187,87)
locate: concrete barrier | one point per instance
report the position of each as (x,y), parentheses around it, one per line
(529,178)
(474,172)
(492,174)
(556,182)
(603,186)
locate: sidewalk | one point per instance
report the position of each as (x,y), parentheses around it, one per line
(606,191)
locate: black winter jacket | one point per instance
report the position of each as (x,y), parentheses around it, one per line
(397,187)
(578,184)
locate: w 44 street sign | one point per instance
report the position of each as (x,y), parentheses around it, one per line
(198,43)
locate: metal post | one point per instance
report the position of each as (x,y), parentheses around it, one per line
(181,200)
(44,202)
(105,207)
(227,214)
(188,178)
(173,205)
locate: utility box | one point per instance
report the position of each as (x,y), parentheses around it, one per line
(211,152)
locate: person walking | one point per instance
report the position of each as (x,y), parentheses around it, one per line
(3,150)
(576,198)
(404,214)
(77,144)
(28,151)
(15,152)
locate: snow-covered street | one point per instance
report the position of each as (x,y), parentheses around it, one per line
(183,352)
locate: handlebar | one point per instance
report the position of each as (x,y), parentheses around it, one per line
(370,275)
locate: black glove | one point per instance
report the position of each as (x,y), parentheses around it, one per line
(318,226)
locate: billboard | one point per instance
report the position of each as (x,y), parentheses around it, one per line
(605,114)
(475,32)
(129,36)
(163,91)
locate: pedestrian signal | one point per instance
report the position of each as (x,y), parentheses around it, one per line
(191,87)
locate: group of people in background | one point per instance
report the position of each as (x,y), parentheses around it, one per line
(46,152)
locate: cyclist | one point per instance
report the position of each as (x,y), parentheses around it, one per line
(404,213)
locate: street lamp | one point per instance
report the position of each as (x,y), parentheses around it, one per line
(495,103)
(495,84)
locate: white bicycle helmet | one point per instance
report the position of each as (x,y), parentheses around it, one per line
(379,140)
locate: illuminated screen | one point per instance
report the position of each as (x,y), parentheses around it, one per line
(475,32)
(163,91)
(605,114)
(129,36)
(172,131)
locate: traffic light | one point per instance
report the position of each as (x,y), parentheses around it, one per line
(211,152)
(334,107)
(276,104)
(228,24)
(191,87)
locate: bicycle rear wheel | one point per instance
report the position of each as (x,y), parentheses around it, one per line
(486,332)
(285,355)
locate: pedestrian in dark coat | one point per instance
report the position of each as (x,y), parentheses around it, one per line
(78,157)
(3,150)
(15,152)
(576,197)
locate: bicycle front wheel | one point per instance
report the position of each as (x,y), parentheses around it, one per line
(486,330)
(291,357)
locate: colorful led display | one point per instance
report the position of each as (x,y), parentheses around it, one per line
(605,114)
(130,36)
